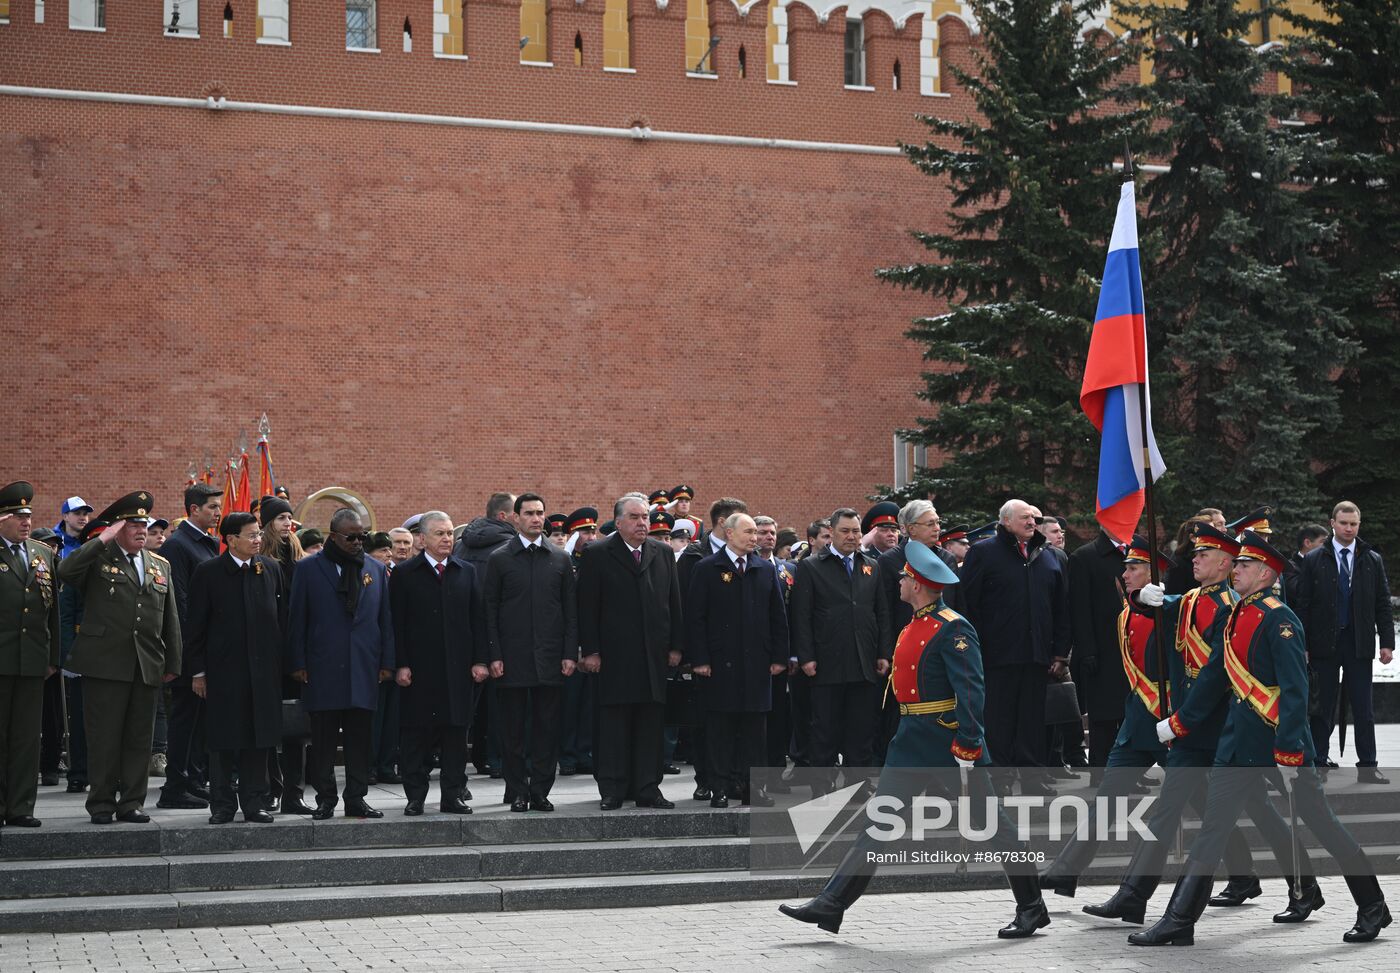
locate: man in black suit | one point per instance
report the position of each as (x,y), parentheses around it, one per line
(1016,595)
(840,629)
(237,613)
(736,642)
(1095,602)
(440,642)
(532,631)
(187,547)
(629,625)
(1342,597)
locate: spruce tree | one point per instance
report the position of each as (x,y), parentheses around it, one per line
(1033,193)
(1239,299)
(1345,69)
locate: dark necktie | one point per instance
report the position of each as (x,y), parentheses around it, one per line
(22,566)
(136,568)
(1022,545)
(439,568)
(1344,591)
(739,564)
(850,566)
(637,556)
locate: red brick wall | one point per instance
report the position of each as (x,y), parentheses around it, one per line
(430,313)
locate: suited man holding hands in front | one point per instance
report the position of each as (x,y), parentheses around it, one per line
(532,629)
(341,647)
(629,624)
(236,612)
(736,642)
(841,637)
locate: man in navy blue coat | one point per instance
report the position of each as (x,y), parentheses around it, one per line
(341,646)
(1016,594)
(736,640)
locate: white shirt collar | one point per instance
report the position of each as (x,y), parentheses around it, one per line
(716,545)
(633,549)
(1338,547)
(735,557)
(837,554)
(433,562)
(241,564)
(537,542)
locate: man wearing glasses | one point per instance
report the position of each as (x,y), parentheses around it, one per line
(341,647)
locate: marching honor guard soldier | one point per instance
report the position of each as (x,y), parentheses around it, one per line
(1264,659)
(29,650)
(937,679)
(127,646)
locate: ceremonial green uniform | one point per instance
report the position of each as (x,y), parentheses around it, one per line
(28,648)
(129,640)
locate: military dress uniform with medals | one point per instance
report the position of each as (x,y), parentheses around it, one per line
(29,650)
(128,643)
(1263,658)
(937,682)
(1197,623)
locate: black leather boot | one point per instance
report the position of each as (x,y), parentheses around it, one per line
(1031,913)
(830,905)
(1125,904)
(1238,891)
(1302,903)
(1372,915)
(1178,926)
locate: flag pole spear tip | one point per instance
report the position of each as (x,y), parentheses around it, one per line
(264,427)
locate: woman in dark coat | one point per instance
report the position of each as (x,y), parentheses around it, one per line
(285,771)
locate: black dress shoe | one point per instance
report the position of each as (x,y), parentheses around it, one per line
(1028,919)
(520,804)
(567,771)
(719,800)
(658,802)
(268,803)
(1124,904)
(102,817)
(296,806)
(1370,775)
(359,809)
(455,805)
(702,794)
(1370,920)
(257,816)
(49,779)
(1237,892)
(541,804)
(413,809)
(759,799)
(23,821)
(134,816)
(1302,906)
(221,817)
(609,805)
(390,778)
(180,802)
(824,910)
(670,769)
(199,793)
(324,811)
(76,787)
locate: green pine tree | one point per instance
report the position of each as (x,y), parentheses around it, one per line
(1033,193)
(1239,299)
(1345,68)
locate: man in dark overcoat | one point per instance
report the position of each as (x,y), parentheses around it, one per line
(736,641)
(629,624)
(340,647)
(440,643)
(532,629)
(841,637)
(1095,602)
(236,611)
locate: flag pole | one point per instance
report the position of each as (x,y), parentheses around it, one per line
(1149,508)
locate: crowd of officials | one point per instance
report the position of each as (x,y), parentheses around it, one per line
(238,657)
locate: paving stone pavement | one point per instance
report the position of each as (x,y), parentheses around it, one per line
(894,933)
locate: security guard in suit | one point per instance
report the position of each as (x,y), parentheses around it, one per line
(29,647)
(1263,659)
(936,677)
(127,647)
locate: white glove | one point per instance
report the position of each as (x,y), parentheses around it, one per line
(1290,774)
(1151,594)
(1165,732)
(965,764)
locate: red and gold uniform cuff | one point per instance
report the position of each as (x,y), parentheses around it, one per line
(1177,726)
(965,753)
(1288,759)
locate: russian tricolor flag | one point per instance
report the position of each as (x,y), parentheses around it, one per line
(1114,374)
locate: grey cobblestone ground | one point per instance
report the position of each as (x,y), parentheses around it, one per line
(895,933)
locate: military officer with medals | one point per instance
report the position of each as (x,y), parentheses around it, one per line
(127,647)
(1196,621)
(29,650)
(936,676)
(1264,659)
